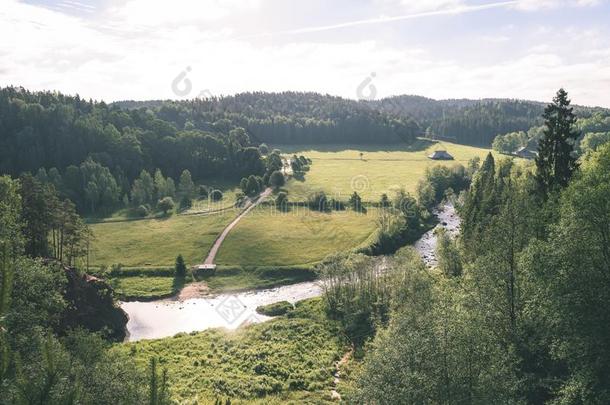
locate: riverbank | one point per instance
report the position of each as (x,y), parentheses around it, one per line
(290,359)
(230,287)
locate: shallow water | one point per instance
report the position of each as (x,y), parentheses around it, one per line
(426,245)
(163,318)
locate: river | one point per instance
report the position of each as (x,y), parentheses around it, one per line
(163,318)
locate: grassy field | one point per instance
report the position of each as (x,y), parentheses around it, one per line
(286,360)
(339,170)
(267,237)
(157,242)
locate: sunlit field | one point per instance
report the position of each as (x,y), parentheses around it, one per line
(340,170)
(157,242)
(297,237)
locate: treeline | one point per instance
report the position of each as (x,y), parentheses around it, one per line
(289,118)
(472,122)
(593,132)
(52,130)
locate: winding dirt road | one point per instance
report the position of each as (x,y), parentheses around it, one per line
(212,254)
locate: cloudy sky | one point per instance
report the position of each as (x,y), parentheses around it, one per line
(148,49)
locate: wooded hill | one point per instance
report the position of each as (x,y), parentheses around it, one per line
(300,118)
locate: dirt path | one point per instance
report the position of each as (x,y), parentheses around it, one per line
(196,289)
(225,232)
(333,393)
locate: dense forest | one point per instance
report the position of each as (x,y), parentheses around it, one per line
(473,122)
(301,118)
(518,310)
(289,118)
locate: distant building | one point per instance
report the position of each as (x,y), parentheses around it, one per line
(525,153)
(440,155)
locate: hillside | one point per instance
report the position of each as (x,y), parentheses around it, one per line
(299,118)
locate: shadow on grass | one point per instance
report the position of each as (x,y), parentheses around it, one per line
(178,284)
(420,145)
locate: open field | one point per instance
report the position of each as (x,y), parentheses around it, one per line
(339,171)
(157,242)
(286,360)
(268,237)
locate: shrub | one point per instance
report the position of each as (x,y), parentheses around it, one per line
(263,149)
(185,202)
(142,211)
(318,201)
(276,180)
(203,192)
(281,201)
(166,204)
(216,195)
(275,309)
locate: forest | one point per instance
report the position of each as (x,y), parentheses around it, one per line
(518,311)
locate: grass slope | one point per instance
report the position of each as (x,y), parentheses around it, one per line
(157,242)
(267,237)
(285,360)
(338,169)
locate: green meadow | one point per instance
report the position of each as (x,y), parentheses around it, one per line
(268,237)
(286,360)
(157,242)
(339,170)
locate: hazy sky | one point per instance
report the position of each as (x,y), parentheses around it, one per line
(140,49)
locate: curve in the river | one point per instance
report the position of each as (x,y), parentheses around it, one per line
(163,318)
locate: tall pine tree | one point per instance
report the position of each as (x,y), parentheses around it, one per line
(556,162)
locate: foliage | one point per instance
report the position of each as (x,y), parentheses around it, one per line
(216,195)
(357,294)
(432,350)
(555,161)
(276,180)
(318,202)
(290,354)
(166,204)
(180,267)
(290,117)
(281,201)
(275,309)
(448,254)
(509,143)
(142,211)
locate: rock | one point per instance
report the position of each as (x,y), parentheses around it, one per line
(92,307)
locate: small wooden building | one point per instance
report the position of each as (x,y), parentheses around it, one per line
(525,153)
(440,155)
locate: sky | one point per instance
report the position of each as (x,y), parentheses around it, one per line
(148,49)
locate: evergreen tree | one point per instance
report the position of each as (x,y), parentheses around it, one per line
(556,162)
(276,180)
(180,268)
(186,185)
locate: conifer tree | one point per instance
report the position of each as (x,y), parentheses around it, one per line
(556,162)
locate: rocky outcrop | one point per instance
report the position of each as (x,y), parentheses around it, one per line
(91,306)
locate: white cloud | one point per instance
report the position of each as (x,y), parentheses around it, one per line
(430,5)
(44,49)
(533,5)
(160,12)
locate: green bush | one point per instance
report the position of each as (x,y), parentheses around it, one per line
(275,309)
(216,195)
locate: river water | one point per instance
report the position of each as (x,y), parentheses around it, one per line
(163,318)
